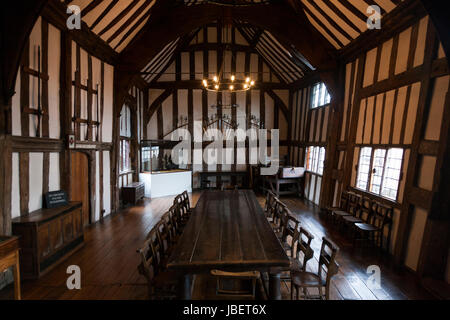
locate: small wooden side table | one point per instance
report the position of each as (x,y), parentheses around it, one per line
(9,257)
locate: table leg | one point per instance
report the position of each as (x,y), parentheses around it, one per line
(275,286)
(185,287)
(16,272)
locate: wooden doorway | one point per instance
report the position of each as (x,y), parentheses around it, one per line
(79,183)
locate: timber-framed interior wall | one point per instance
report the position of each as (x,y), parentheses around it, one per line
(394,95)
(74,96)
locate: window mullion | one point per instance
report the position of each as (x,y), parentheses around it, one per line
(369,180)
(384,170)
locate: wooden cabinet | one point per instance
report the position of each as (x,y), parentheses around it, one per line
(133,192)
(48,236)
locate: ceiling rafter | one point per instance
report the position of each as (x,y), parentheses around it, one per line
(253,42)
(182,45)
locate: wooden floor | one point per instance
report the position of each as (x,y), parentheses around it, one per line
(108,261)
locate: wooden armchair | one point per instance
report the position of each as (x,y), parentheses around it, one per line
(236,285)
(302,280)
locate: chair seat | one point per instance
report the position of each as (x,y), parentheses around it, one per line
(366,227)
(306,279)
(352,219)
(341,213)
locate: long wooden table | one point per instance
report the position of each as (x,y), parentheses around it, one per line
(228,231)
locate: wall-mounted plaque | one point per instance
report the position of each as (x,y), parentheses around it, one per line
(55,199)
(71,141)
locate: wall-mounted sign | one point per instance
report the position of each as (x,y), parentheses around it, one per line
(55,199)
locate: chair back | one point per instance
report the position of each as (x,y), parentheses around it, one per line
(327,260)
(383,216)
(304,246)
(148,266)
(175,217)
(289,226)
(354,204)
(366,209)
(271,205)
(343,205)
(180,203)
(279,214)
(165,234)
(185,197)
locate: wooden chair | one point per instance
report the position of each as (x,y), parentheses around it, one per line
(301,255)
(168,220)
(289,228)
(161,284)
(360,212)
(186,202)
(177,221)
(373,231)
(165,235)
(353,209)
(270,206)
(342,211)
(277,221)
(301,281)
(236,285)
(342,206)
(184,215)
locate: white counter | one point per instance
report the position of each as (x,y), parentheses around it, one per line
(163,184)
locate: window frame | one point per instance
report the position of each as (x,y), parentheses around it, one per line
(313,159)
(368,188)
(313,96)
(122,169)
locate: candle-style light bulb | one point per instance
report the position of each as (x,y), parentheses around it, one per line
(215,79)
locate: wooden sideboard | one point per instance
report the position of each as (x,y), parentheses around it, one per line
(48,236)
(9,257)
(133,192)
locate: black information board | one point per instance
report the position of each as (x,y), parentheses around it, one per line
(55,199)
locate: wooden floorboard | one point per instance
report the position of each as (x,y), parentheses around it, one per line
(108,261)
